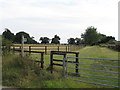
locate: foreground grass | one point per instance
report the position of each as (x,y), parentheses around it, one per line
(18,72)
(22,73)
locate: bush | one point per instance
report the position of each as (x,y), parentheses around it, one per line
(6,45)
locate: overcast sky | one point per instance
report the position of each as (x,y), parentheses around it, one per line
(66,18)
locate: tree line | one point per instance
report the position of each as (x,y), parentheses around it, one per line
(92,37)
(89,37)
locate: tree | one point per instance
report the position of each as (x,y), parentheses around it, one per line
(7,34)
(44,40)
(18,38)
(101,37)
(6,43)
(55,40)
(108,39)
(71,41)
(78,41)
(90,36)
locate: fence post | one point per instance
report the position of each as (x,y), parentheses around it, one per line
(66,48)
(45,49)
(77,62)
(51,62)
(64,65)
(42,58)
(58,48)
(20,50)
(22,46)
(13,49)
(29,50)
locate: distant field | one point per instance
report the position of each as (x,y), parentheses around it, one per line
(48,47)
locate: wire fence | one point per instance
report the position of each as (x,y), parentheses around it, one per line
(97,71)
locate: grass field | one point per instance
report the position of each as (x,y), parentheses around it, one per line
(22,74)
(48,47)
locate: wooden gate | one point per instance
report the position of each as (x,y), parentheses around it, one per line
(63,53)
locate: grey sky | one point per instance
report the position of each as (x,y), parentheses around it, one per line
(66,18)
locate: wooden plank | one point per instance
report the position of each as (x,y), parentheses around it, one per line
(37,61)
(64,52)
(45,49)
(42,58)
(77,62)
(57,64)
(30,51)
(51,62)
(57,60)
(37,46)
(34,51)
(59,53)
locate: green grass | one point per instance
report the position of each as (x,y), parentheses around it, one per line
(98,52)
(18,72)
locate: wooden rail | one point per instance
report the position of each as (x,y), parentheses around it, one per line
(41,59)
(47,49)
(64,53)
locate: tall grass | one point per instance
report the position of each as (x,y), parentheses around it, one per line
(23,73)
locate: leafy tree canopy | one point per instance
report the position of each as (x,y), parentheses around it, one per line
(56,40)
(71,41)
(90,36)
(8,34)
(18,38)
(78,41)
(44,40)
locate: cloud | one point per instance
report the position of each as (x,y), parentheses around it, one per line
(60,16)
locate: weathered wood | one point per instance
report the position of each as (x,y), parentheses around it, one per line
(45,49)
(57,64)
(59,53)
(22,46)
(66,48)
(77,63)
(51,62)
(42,60)
(29,50)
(64,52)
(64,56)
(58,48)
(13,49)
(33,49)
(38,61)
(57,60)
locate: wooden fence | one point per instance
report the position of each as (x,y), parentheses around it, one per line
(48,48)
(41,61)
(63,53)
